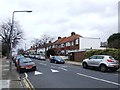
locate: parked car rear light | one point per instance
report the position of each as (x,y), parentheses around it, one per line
(109,60)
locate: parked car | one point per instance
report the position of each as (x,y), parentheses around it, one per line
(40,57)
(25,64)
(57,59)
(103,62)
(13,58)
(16,59)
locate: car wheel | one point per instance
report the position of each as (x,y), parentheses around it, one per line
(34,69)
(85,65)
(103,68)
(19,71)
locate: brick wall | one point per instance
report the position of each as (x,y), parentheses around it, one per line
(77,56)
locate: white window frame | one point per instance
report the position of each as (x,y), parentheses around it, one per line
(77,41)
(67,43)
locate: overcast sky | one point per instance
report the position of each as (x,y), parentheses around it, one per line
(88,18)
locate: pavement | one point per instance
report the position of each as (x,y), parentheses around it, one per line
(13,80)
(73,63)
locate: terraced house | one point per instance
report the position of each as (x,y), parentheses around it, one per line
(72,43)
(66,44)
(62,45)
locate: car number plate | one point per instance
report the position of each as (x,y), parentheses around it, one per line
(29,67)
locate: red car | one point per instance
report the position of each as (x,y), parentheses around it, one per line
(26,64)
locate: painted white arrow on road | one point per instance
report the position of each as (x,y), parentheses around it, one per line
(37,73)
(54,70)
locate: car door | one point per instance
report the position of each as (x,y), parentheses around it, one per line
(91,61)
(98,60)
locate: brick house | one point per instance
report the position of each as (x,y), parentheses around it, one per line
(66,44)
(62,45)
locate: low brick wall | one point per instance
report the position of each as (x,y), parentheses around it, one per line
(77,56)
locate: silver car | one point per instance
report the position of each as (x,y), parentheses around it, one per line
(103,62)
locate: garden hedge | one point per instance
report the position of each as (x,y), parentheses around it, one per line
(112,52)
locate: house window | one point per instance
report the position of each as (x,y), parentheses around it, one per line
(56,46)
(53,46)
(59,46)
(77,41)
(72,43)
(68,44)
(62,45)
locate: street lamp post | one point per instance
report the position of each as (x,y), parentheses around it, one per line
(11,32)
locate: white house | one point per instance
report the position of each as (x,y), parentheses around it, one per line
(89,43)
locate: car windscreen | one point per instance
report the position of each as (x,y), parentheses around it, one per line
(25,60)
(19,57)
(58,58)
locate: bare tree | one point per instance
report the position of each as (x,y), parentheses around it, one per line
(42,42)
(36,42)
(21,51)
(45,39)
(7,36)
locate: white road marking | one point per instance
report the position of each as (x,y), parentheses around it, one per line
(99,79)
(53,67)
(63,68)
(54,70)
(26,75)
(38,73)
(43,64)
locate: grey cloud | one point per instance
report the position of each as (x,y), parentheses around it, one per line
(61,17)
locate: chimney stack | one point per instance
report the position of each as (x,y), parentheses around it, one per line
(49,41)
(72,33)
(59,37)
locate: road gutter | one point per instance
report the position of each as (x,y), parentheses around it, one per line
(28,83)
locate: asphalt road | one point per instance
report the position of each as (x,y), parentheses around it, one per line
(50,75)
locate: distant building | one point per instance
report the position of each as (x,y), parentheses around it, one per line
(64,45)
